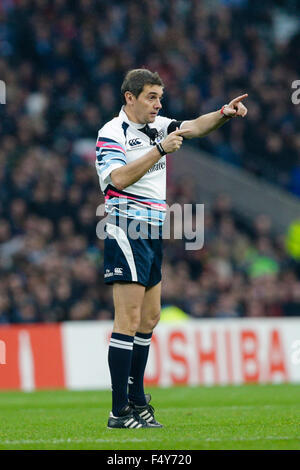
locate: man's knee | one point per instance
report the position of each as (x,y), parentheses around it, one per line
(127,322)
(150,320)
(156,319)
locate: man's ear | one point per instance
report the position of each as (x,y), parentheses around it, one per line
(129,97)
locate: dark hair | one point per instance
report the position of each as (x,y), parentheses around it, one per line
(136,79)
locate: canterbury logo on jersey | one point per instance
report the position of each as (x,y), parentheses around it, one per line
(134,142)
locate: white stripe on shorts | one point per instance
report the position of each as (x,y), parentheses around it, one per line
(124,244)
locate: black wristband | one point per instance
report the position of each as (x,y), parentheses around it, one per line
(161,150)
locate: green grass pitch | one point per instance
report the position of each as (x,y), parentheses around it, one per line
(231,417)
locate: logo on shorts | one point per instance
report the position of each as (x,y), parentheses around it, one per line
(119,271)
(108,273)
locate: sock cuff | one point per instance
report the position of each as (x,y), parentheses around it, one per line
(122,337)
(121,341)
(143,335)
(142,339)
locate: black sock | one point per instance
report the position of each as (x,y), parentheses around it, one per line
(119,360)
(140,353)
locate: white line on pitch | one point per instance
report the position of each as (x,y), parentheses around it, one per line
(98,441)
(258,438)
(66,441)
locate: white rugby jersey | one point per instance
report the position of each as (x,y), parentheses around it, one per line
(121,141)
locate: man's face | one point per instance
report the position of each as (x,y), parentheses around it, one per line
(147,105)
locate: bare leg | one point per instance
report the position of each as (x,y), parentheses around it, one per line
(128,301)
(150,309)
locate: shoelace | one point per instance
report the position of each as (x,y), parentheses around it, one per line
(151,409)
(137,417)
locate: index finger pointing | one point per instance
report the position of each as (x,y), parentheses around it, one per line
(239,98)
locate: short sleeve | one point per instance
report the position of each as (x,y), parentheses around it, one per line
(168,125)
(110,154)
(173,126)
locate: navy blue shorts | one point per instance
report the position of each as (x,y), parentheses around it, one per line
(132,260)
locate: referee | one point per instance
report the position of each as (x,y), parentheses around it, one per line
(131,154)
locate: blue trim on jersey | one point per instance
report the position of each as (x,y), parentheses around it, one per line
(105,158)
(119,199)
(106,139)
(109,163)
(149,216)
(132,210)
(125,127)
(108,156)
(135,196)
(105,151)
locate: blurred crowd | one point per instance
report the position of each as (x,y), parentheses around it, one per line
(63,63)
(242,270)
(51,261)
(64,60)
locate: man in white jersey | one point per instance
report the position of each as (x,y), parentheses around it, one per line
(131,154)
